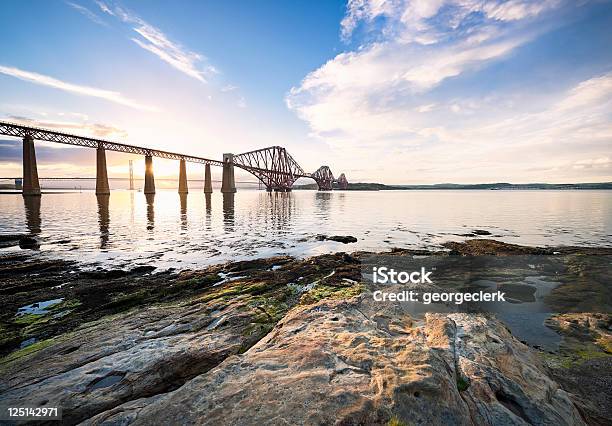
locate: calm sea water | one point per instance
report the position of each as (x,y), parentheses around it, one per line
(168,230)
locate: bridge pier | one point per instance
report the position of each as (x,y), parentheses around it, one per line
(31,186)
(228,184)
(182,189)
(149,186)
(207,180)
(102,187)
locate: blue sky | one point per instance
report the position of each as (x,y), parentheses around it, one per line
(402,91)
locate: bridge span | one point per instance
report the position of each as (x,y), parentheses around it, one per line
(273,166)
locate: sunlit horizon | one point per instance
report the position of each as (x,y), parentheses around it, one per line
(391,92)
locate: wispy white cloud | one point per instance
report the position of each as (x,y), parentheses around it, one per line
(87,13)
(153,40)
(514,10)
(567,136)
(83,127)
(580,116)
(389,94)
(44,80)
(359,92)
(421,45)
(600,162)
(365,10)
(589,92)
(425,108)
(432,21)
(104,8)
(229,88)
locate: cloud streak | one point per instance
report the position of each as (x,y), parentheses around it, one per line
(83,128)
(155,41)
(47,81)
(432,21)
(87,13)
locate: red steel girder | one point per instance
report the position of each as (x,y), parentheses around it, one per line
(324,178)
(273,166)
(342,182)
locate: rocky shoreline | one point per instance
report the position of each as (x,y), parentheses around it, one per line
(298,341)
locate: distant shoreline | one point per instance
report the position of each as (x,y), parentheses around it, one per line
(371,186)
(489,186)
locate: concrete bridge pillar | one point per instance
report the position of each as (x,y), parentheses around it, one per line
(207,180)
(102,187)
(31,186)
(228,184)
(182,189)
(149,187)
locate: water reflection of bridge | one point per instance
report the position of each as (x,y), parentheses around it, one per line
(274,167)
(260,215)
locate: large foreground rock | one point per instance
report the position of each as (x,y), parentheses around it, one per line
(352,362)
(124,357)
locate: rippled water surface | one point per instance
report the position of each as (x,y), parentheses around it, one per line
(169,230)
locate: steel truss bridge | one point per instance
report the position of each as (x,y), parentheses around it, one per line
(274,167)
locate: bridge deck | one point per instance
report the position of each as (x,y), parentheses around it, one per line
(21,131)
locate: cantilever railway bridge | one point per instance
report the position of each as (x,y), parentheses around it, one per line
(273,166)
